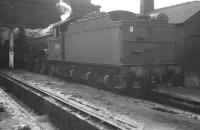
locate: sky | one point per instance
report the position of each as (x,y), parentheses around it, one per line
(132,5)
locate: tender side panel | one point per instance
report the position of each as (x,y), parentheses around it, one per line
(148,44)
(144,53)
(93,41)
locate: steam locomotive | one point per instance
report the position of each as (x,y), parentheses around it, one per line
(116,50)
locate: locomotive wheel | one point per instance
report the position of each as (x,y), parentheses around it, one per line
(178,80)
(61,71)
(72,73)
(36,68)
(50,70)
(78,75)
(53,69)
(88,76)
(31,67)
(119,82)
(108,82)
(57,70)
(42,68)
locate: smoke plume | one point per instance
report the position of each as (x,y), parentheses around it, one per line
(65,9)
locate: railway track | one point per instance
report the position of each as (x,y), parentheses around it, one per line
(175,101)
(14,111)
(157,97)
(154,96)
(94,116)
(151,95)
(161,98)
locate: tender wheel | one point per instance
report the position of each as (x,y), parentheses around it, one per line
(36,68)
(50,70)
(72,73)
(42,68)
(88,76)
(108,81)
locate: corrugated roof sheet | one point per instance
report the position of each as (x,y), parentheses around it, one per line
(180,13)
(28,13)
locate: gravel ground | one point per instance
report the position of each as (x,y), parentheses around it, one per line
(14,117)
(149,115)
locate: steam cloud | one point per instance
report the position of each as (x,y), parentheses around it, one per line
(65,9)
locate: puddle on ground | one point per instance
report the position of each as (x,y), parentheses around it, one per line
(163,110)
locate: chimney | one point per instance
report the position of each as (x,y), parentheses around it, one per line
(146,6)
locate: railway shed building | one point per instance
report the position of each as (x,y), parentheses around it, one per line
(186,17)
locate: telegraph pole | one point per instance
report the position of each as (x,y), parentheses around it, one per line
(11,48)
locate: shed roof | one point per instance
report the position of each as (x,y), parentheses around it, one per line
(38,13)
(180,13)
(28,13)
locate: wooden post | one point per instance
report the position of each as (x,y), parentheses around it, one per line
(11,49)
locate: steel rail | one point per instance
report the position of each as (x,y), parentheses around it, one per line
(22,109)
(101,118)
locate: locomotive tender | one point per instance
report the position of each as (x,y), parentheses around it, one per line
(116,49)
